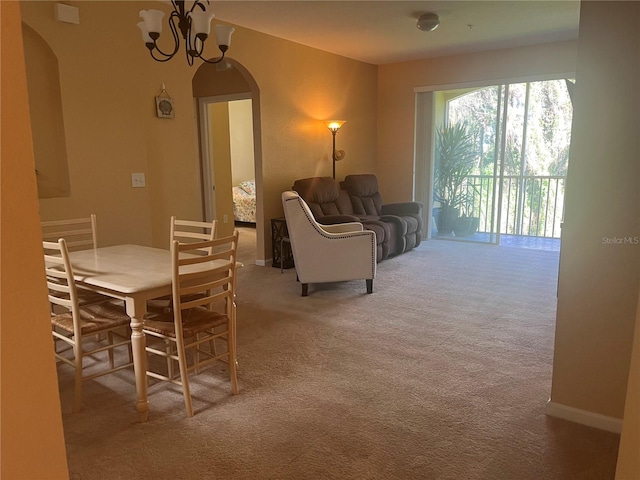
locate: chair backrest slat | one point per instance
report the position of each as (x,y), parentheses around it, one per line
(191,231)
(59,273)
(79,233)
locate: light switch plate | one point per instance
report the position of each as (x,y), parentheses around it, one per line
(138,180)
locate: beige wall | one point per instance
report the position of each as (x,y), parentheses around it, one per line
(396,98)
(628,457)
(241,131)
(598,281)
(31,437)
(47,123)
(108,85)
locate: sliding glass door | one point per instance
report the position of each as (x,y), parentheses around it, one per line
(500,161)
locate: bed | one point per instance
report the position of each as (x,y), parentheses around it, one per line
(244,202)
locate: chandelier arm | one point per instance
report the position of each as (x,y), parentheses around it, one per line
(178,6)
(198,3)
(193,47)
(187,52)
(166,58)
(198,53)
(217,60)
(189,44)
(174,32)
(176,39)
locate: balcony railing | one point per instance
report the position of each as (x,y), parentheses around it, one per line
(530,205)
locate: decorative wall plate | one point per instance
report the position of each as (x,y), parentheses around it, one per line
(164,107)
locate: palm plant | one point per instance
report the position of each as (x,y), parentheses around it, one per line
(454,162)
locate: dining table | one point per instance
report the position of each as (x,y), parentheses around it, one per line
(135,274)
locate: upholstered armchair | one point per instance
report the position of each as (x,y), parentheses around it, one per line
(328,253)
(331,205)
(367,203)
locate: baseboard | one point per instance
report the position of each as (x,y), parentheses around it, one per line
(584,417)
(263,263)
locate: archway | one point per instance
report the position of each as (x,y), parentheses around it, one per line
(47,121)
(218,83)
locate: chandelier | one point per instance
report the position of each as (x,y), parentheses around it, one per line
(194,25)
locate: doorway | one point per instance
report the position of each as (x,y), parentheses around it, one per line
(228,166)
(228,104)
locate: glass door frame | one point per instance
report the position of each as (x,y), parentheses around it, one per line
(424,144)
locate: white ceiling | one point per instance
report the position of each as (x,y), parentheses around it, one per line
(381,32)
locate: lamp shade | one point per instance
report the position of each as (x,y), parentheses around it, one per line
(152,20)
(201,22)
(145,33)
(334,125)
(223,35)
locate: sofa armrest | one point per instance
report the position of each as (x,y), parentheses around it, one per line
(403,208)
(343,227)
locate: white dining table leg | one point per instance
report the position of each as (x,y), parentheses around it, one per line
(136,309)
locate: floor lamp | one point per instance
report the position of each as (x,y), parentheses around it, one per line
(334,126)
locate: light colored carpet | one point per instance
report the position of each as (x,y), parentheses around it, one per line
(246,244)
(443,373)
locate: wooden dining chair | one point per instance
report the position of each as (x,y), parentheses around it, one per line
(79,234)
(82,331)
(186,334)
(192,231)
(184,231)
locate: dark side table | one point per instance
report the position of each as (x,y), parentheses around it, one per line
(280,245)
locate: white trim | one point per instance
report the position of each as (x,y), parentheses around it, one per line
(206,153)
(231,97)
(263,263)
(423,158)
(496,81)
(208,182)
(583,417)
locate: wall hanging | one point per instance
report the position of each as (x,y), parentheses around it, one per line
(164,104)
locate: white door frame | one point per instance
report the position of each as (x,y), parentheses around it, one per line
(206,153)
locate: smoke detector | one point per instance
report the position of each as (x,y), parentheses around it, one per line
(428,22)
